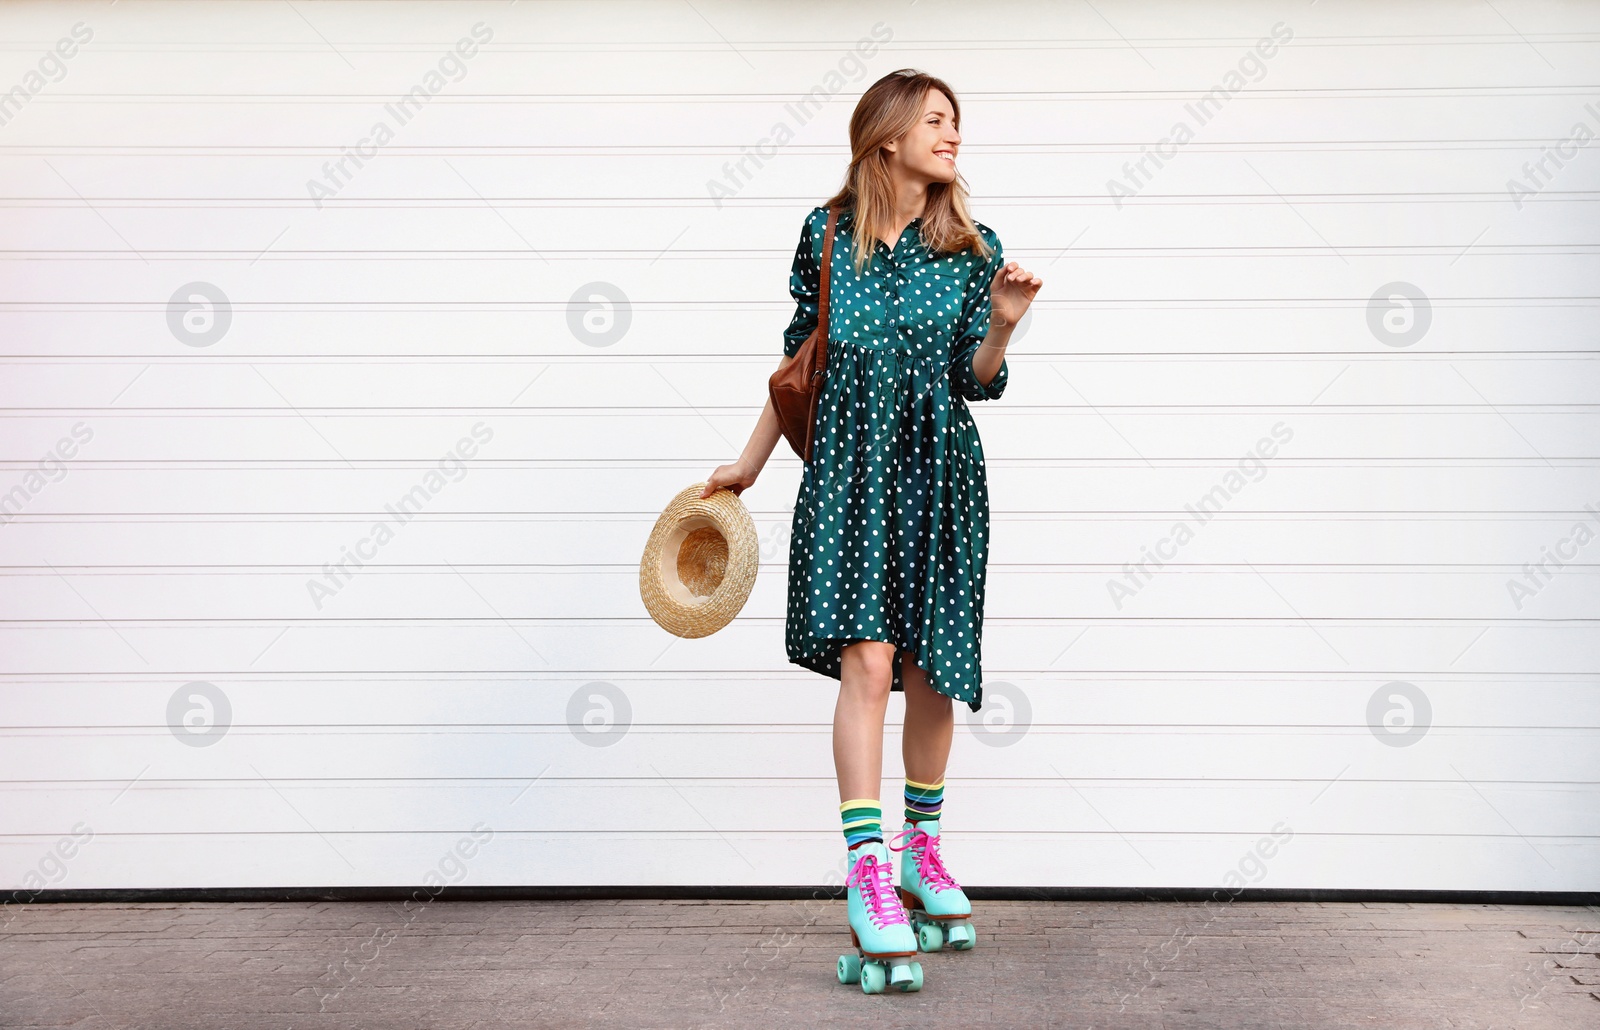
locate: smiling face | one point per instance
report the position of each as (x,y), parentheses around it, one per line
(928,149)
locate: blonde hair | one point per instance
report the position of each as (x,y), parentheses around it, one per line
(887,111)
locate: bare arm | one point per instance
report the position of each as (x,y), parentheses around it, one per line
(986,362)
(742,472)
(1012,292)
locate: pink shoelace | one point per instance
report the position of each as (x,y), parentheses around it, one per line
(929,866)
(877,890)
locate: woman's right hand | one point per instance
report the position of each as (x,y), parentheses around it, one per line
(735,476)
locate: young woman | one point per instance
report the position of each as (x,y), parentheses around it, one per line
(890,535)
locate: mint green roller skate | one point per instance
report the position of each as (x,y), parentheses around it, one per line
(940,911)
(882,935)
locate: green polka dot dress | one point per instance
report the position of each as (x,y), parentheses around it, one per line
(890,537)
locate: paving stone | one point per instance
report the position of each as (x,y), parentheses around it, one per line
(455,965)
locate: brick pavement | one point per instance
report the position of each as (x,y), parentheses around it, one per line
(648,963)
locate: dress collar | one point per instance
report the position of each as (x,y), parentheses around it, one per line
(847,222)
(848,215)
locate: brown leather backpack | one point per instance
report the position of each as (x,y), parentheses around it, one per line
(796,387)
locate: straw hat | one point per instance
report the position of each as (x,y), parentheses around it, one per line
(699,563)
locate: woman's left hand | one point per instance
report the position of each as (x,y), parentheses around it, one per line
(1013,289)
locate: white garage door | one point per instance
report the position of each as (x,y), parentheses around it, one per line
(350,352)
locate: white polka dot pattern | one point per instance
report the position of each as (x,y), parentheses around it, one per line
(891,526)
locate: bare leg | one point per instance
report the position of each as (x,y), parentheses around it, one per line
(866,673)
(930,725)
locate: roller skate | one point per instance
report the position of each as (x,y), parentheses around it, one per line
(939,910)
(879,930)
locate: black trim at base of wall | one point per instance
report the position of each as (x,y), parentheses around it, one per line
(756,893)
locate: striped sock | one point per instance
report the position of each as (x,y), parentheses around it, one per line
(863,821)
(924,800)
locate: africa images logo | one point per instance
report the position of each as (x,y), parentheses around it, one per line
(1252,65)
(452,67)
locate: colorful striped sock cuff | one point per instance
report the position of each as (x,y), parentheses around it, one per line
(924,800)
(863,820)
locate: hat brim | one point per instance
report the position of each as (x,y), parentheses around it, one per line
(677,606)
